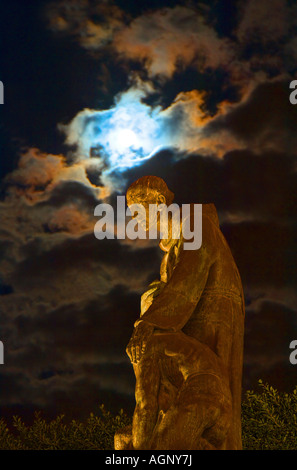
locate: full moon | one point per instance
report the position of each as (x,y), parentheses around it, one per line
(126,138)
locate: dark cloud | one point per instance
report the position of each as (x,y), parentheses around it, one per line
(71,192)
(265,253)
(91,24)
(99,328)
(68,348)
(78,251)
(242,182)
(269,330)
(266,114)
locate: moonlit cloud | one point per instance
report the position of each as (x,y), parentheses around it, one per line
(131,132)
(121,136)
(172,37)
(166,41)
(39,173)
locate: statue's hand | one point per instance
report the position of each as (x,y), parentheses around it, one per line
(138,341)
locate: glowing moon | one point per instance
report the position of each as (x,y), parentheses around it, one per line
(126,138)
(124,135)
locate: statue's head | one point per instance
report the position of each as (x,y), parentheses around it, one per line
(148,190)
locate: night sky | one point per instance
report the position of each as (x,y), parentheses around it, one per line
(97,94)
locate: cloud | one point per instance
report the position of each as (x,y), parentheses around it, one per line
(241,183)
(93,25)
(50,270)
(259,21)
(39,173)
(269,331)
(264,253)
(70,219)
(41,355)
(265,120)
(171,37)
(266,34)
(131,131)
(36,169)
(167,42)
(79,284)
(164,38)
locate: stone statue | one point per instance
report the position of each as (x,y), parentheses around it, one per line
(187,345)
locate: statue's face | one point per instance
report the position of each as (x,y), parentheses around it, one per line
(144,217)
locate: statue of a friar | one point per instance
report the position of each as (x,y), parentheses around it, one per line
(187,345)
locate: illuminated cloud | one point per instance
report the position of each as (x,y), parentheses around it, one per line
(39,173)
(166,41)
(72,220)
(163,39)
(172,37)
(131,131)
(121,136)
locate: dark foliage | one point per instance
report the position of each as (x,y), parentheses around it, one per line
(269,422)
